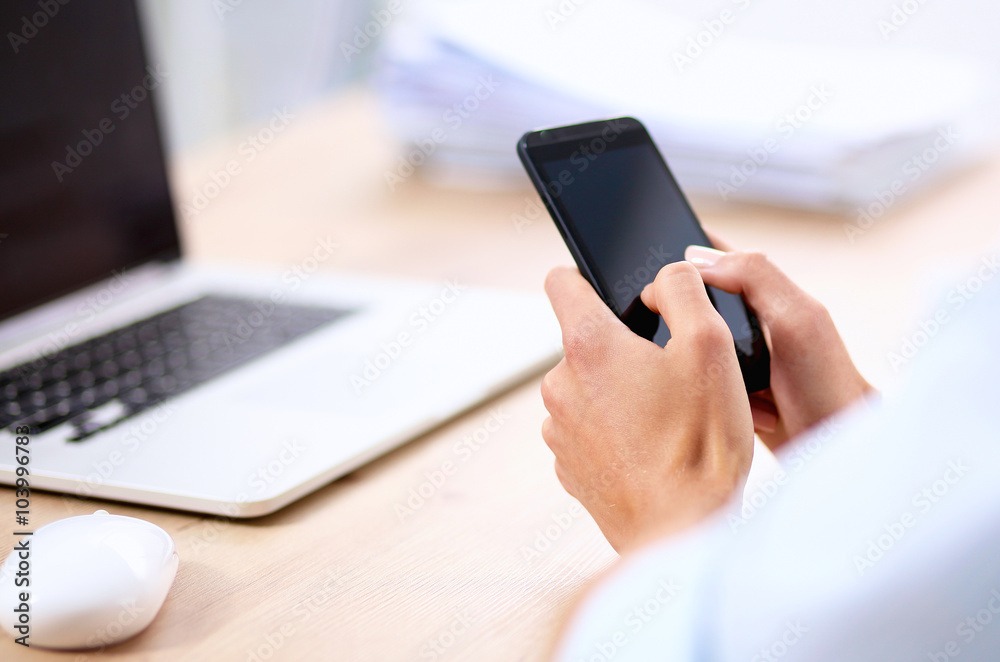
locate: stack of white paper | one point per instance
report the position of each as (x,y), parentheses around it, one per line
(793,124)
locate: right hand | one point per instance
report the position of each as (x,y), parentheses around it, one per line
(812,375)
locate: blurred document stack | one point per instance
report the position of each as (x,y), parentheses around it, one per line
(791,124)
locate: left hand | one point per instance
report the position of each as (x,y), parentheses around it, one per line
(650,440)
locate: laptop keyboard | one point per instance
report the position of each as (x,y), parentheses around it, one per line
(100,382)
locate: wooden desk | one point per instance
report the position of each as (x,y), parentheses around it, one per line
(485,568)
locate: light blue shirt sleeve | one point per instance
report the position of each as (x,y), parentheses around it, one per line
(881,543)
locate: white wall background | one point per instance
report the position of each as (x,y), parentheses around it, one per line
(969,28)
(233,61)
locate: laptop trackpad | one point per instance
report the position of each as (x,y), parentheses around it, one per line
(346,384)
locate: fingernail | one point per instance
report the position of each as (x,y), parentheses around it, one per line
(763,421)
(702,256)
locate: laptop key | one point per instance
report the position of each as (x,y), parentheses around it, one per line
(129,370)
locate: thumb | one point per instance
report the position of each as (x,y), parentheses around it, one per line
(765,287)
(678,295)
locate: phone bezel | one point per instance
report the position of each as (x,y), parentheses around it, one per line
(560,143)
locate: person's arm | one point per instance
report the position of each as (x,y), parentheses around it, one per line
(651,440)
(880,543)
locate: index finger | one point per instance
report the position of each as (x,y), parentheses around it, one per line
(574,300)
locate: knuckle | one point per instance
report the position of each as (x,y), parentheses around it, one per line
(580,341)
(555,280)
(756,262)
(551,278)
(549,431)
(712,337)
(563,477)
(677,269)
(814,316)
(812,308)
(780,306)
(549,390)
(806,317)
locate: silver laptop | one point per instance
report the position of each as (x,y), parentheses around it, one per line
(141,378)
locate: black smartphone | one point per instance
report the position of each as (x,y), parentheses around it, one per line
(623,217)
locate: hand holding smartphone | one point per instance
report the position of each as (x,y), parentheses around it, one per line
(623,217)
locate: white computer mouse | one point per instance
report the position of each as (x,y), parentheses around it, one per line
(90,581)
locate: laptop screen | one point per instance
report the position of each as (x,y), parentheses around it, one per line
(83,186)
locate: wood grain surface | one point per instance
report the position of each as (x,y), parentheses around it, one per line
(486,566)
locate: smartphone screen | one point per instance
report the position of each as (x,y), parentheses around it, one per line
(625,217)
